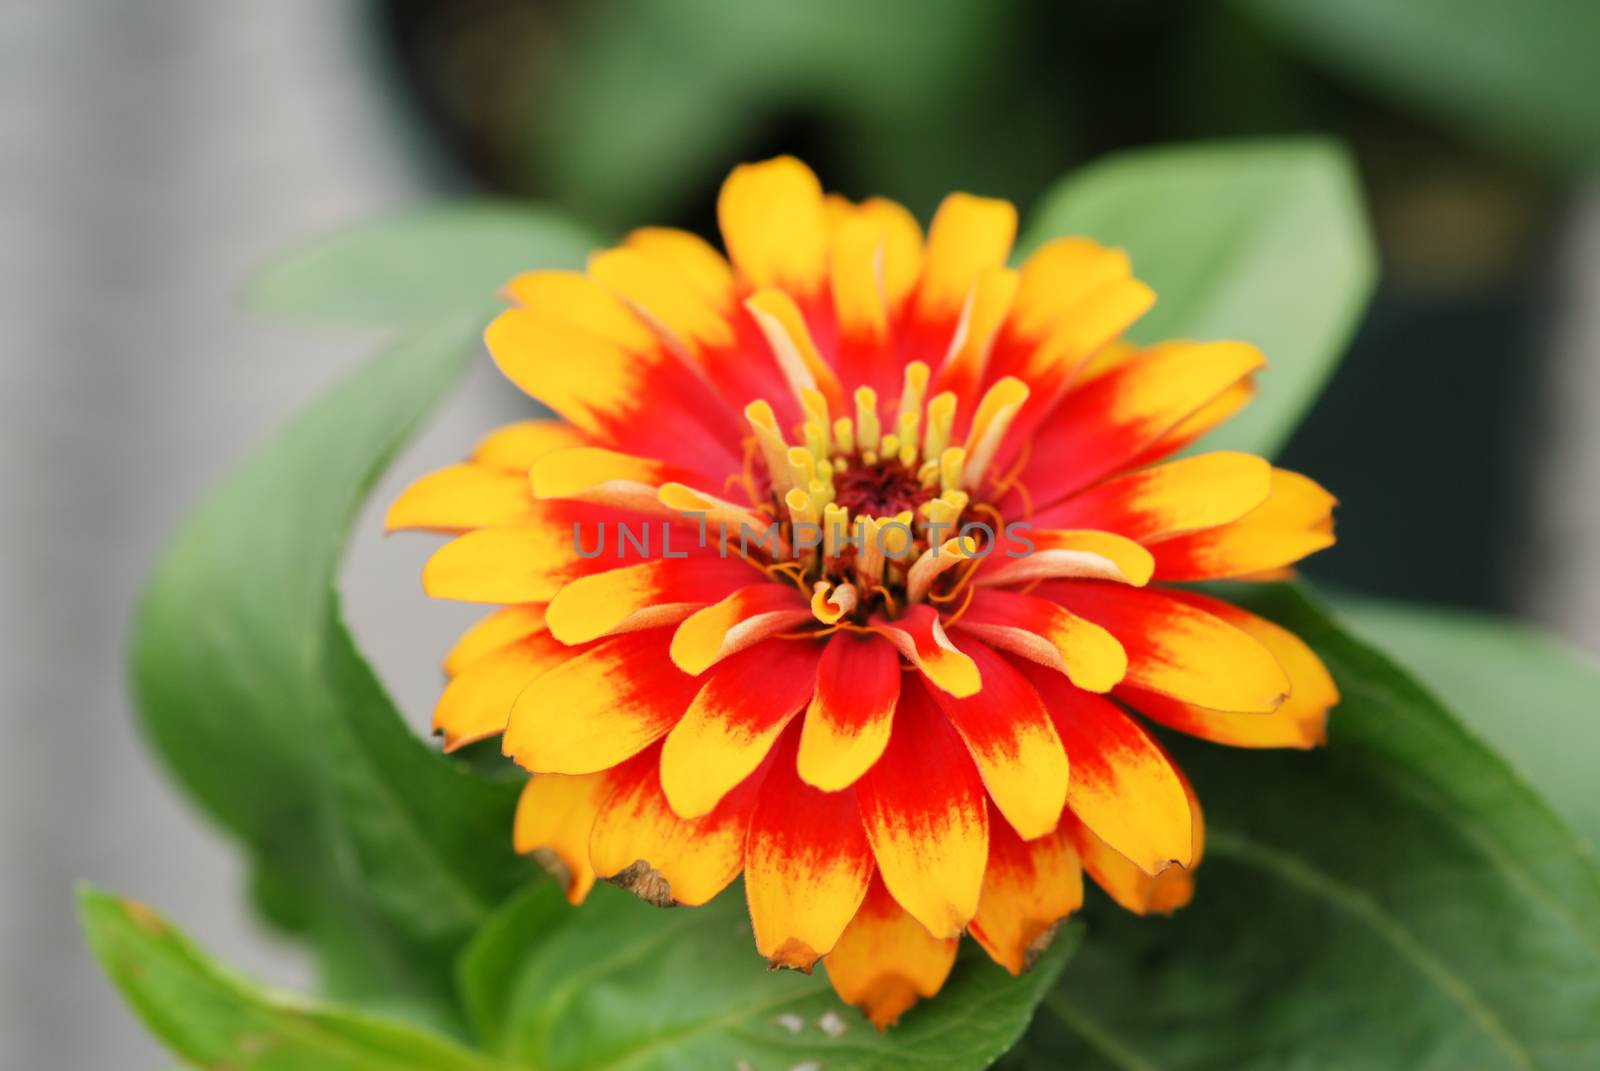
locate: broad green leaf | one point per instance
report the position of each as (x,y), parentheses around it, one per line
(1261,241)
(211,1018)
(1518,75)
(1535,699)
(1397,899)
(250,689)
(433,263)
(620,984)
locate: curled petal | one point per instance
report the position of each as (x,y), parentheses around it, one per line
(739,621)
(918,635)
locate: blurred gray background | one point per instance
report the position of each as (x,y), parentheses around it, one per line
(151,155)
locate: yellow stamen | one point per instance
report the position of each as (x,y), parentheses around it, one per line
(889,445)
(897,535)
(774,451)
(802,467)
(952,465)
(844,433)
(866,419)
(941,415)
(915,389)
(829,603)
(801,509)
(815,407)
(869,553)
(835,529)
(816,439)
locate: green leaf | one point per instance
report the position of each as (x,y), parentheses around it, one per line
(434,263)
(251,690)
(649,94)
(620,984)
(213,1019)
(1529,695)
(1261,241)
(1519,75)
(1399,898)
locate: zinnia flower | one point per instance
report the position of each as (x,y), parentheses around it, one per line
(896,729)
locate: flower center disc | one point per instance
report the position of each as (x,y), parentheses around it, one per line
(884,489)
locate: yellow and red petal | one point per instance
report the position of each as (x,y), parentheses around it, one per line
(1107,424)
(968,236)
(1047,633)
(1168,500)
(1177,649)
(925,814)
(807,864)
(647,595)
(515,447)
(772,225)
(1028,888)
(690,256)
(556,813)
(605,478)
(1294,521)
(497,630)
(642,401)
(1123,785)
(691,318)
(461,498)
(477,703)
(886,960)
(600,706)
(1125,883)
(733,721)
(848,724)
(1301,722)
(530,562)
(918,635)
(1049,553)
(740,620)
(639,842)
(1010,737)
